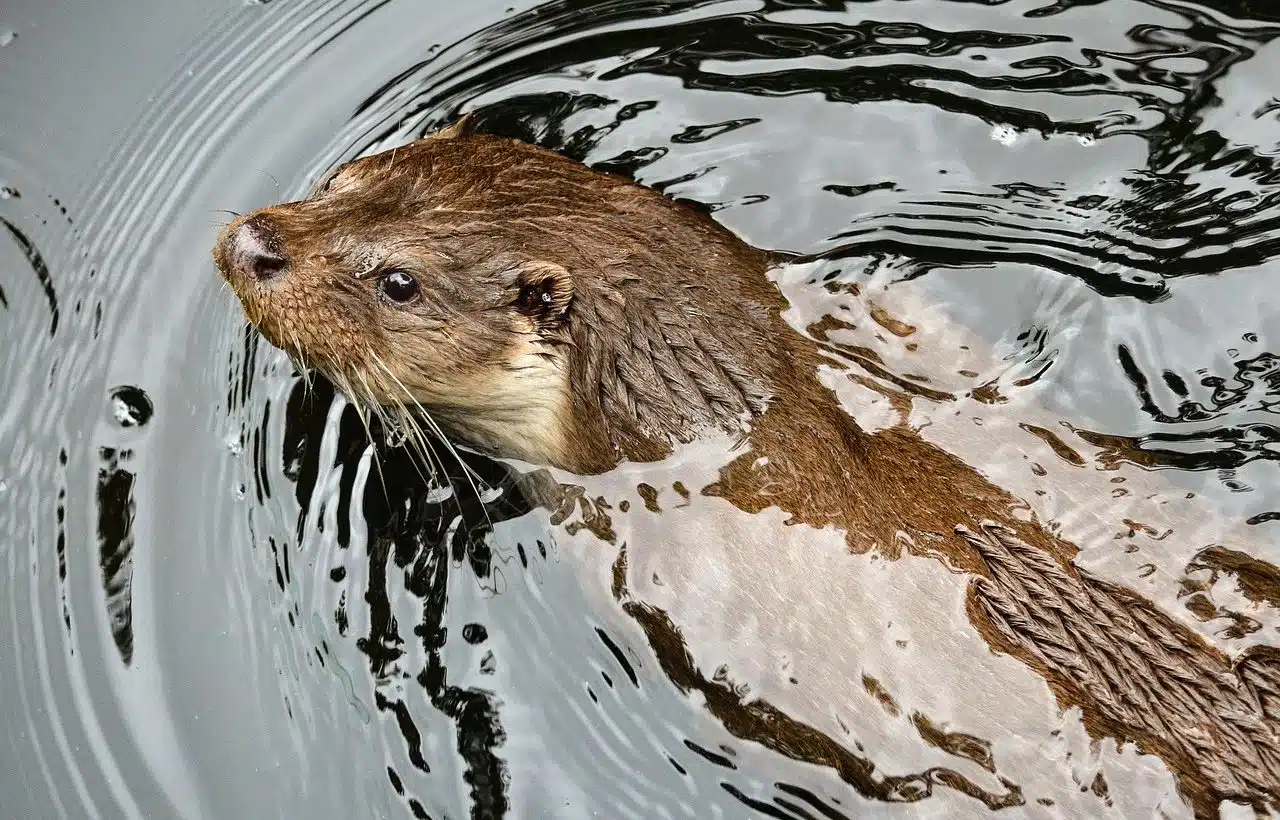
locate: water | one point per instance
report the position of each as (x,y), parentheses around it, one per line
(212,608)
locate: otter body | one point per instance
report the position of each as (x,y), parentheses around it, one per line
(549,313)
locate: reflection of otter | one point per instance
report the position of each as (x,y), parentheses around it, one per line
(547,312)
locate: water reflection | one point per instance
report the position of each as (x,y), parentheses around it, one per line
(1084,187)
(413,530)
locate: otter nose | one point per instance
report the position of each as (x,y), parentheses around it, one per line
(255,250)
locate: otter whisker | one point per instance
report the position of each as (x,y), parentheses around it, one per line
(271,177)
(421,439)
(413,433)
(430,421)
(467,471)
(433,459)
(421,445)
(296,356)
(344,386)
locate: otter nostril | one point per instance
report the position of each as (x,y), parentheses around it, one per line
(256,249)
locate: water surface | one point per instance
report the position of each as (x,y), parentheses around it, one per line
(215,605)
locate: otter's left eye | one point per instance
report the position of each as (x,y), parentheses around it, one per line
(399,287)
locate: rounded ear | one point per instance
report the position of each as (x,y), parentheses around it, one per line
(464,126)
(545,293)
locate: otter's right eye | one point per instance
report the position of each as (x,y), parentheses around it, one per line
(399,287)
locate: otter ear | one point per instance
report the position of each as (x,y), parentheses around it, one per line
(464,126)
(545,293)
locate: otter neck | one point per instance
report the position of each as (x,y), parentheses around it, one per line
(648,372)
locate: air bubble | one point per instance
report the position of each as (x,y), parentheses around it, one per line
(7,36)
(130,406)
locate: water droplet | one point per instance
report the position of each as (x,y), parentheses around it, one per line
(1086,139)
(4,486)
(130,406)
(240,492)
(394,435)
(7,36)
(438,495)
(234,443)
(1004,134)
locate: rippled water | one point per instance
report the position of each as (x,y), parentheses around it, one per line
(1060,217)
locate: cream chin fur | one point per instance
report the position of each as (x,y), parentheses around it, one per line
(521,411)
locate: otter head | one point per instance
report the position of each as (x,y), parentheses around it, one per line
(531,306)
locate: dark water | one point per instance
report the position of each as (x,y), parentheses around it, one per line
(214,605)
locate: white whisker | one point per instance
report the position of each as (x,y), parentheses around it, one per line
(467,471)
(361,413)
(387,423)
(421,445)
(295,356)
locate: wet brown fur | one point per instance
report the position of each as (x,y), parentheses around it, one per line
(661,323)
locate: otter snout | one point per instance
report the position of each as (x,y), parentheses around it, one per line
(252,250)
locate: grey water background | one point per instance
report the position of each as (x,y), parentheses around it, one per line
(199,622)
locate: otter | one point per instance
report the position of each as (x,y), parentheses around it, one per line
(542,311)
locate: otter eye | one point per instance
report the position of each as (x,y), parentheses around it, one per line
(399,286)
